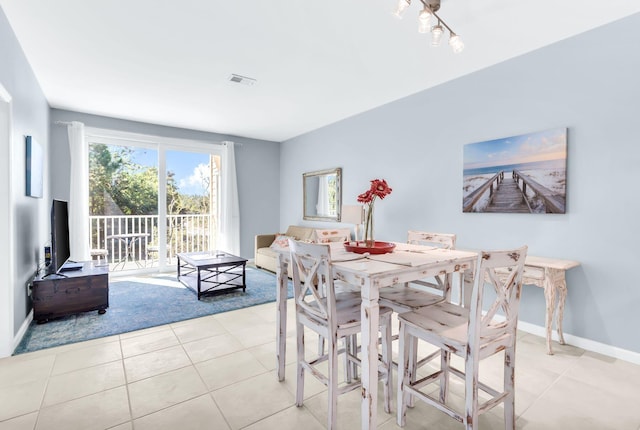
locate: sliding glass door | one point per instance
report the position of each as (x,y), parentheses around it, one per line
(150,200)
(123,203)
(192,190)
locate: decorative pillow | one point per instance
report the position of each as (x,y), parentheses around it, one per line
(333,235)
(281,241)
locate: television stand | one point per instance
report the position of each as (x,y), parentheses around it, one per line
(74,292)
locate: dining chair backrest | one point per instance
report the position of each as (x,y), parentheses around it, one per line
(507,291)
(441,240)
(312,262)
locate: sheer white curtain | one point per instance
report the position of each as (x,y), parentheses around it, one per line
(78,193)
(229,225)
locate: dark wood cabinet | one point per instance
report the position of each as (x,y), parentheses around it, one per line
(71,293)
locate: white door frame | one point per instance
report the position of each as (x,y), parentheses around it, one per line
(6,227)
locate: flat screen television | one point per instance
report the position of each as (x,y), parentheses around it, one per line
(60,251)
(59,235)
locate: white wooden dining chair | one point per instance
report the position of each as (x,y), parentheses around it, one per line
(413,296)
(468,333)
(333,316)
(404,297)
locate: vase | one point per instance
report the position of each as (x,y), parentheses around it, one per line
(368,238)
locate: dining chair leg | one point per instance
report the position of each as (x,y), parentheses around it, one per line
(509,384)
(299,367)
(445,361)
(386,361)
(333,384)
(348,368)
(413,366)
(354,353)
(471,392)
(403,376)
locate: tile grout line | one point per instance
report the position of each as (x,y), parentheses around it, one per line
(126,385)
(44,393)
(545,391)
(209,393)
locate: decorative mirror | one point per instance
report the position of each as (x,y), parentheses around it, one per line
(322,195)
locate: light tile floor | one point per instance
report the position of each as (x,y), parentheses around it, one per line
(218,372)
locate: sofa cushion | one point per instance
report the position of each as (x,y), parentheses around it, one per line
(301,233)
(267,252)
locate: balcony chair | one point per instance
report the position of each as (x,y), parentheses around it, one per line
(334,316)
(99,255)
(468,333)
(153,251)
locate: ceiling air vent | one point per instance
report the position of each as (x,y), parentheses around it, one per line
(239,79)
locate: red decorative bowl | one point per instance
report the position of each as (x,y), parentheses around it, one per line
(361,247)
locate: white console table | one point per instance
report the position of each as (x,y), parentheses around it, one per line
(549,273)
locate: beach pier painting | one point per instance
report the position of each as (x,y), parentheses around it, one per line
(518,174)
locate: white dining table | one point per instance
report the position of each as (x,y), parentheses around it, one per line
(370,273)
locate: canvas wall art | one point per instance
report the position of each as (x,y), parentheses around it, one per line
(518,174)
(34,173)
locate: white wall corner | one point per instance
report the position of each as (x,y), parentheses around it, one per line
(23,330)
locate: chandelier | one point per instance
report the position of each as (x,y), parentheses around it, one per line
(426,15)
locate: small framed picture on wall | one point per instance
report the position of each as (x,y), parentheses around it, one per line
(34,173)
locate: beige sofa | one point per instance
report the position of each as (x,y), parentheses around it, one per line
(266,258)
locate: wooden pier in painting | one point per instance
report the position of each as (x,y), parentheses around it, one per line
(508,198)
(510,195)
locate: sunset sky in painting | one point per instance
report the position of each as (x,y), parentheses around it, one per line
(527,148)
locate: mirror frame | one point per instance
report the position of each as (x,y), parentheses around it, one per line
(314,216)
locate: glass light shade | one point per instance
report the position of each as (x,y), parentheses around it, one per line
(424,20)
(401,7)
(456,43)
(436,35)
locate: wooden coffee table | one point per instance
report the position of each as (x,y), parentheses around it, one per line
(209,272)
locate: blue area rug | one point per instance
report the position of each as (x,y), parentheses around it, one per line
(142,302)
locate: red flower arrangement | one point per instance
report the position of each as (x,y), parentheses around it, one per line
(379,188)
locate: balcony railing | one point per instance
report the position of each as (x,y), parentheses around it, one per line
(185,233)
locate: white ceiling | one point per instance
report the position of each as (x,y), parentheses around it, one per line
(316,62)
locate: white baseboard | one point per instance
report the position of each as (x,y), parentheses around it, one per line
(580,342)
(23,330)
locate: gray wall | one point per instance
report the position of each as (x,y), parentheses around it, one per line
(257,168)
(30,117)
(589,84)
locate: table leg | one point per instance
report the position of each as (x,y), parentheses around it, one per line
(447,284)
(281,316)
(467,281)
(370,314)
(198,281)
(244,277)
(561,286)
(550,299)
